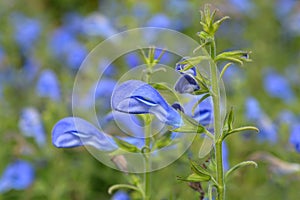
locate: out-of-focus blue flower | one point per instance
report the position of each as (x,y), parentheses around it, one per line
(75,55)
(225,156)
(284,7)
(120,195)
(64,46)
(243,6)
(137,97)
(267,129)
(132,60)
(160,20)
(48,86)
(73,22)
(27,30)
(31,125)
(295,136)
(30,68)
(278,86)
(18,175)
(293,24)
(286,117)
(98,25)
(73,132)
(166,56)
(253,110)
(203,112)
(101,92)
(61,41)
(2,55)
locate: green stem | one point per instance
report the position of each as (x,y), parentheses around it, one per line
(217,123)
(147,174)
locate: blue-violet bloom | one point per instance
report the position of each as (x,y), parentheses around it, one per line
(74,132)
(278,86)
(30,124)
(120,195)
(137,97)
(48,86)
(18,175)
(295,136)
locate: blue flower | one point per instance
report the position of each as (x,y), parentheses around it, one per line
(253,110)
(267,129)
(73,132)
(31,125)
(284,7)
(160,21)
(286,117)
(225,156)
(18,175)
(187,83)
(30,68)
(48,86)
(295,136)
(120,195)
(137,97)
(244,6)
(132,59)
(73,22)
(278,86)
(98,25)
(60,42)
(27,30)
(75,55)
(180,67)
(203,113)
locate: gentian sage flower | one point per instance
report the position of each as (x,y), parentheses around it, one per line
(278,86)
(73,132)
(48,85)
(27,30)
(268,130)
(187,83)
(137,97)
(18,175)
(295,136)
(31,125)
(203,112)
(120,195)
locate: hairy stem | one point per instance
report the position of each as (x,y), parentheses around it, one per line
(217,123)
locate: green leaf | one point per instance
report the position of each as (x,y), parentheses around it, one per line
(126,146)
(195,178)
(163,141)
(238,166)
(235,56)
(198,169)
(236,130)
(193,61)
(192,126)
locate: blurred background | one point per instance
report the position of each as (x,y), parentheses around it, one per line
(42,44)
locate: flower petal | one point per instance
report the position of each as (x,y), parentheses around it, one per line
(186,84)
(137,97)
(73,132)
